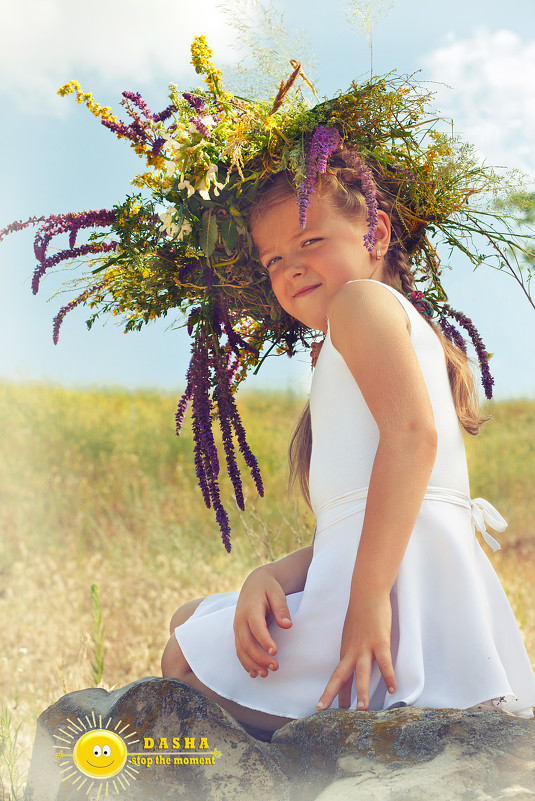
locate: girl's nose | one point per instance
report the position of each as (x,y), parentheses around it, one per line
(294,267)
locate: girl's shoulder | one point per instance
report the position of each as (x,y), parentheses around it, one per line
(374,301)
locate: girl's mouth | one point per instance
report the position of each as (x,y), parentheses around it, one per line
(306,290)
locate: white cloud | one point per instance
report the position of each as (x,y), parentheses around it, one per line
(491,98)
(45,43)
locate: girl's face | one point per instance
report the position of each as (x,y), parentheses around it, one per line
(308,265)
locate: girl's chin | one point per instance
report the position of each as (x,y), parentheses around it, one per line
(315,324)
(317,321)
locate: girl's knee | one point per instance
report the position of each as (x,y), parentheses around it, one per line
(183,613)
(174,665)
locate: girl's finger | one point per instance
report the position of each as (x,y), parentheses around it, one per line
(242,653)
(279,608)
(344,696)
(363,673)
(251,655)
(342,672)
(260,632)
(384,662)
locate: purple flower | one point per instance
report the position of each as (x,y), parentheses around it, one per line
(408,174)
(222,519)
(324,142)
(202,405)
(19,226)
(196,102)
(208,275)
(249,458)
(58,319)
(165,114)
(236,342)
(370,194)
(201,127)
(187,269)
(69,223)
(157,146)
(210,365)
(138,101)
(182,409)
(205,453)
(453,335)
(137,130)
(191,319)
(217,316)
(483,357)
(225,402)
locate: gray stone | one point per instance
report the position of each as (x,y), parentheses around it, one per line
(160,710)
(409,754)
(337,755)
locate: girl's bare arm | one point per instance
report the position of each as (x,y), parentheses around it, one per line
(291,571)
(370,329)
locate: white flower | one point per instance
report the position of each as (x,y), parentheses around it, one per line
(167,218)
(185,230)
(188,186)
(171,228)
(170,141)
(170,167)
(173,154)
(203,185)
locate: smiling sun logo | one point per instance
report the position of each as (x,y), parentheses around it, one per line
(95,756)
(100,753)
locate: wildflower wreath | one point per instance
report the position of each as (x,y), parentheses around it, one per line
(181,244)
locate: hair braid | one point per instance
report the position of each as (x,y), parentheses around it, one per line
(397,263)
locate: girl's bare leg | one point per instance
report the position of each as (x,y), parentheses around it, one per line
(174,665)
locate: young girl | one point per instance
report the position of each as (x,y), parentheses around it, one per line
(395,603)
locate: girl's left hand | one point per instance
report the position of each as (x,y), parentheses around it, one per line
(365,637)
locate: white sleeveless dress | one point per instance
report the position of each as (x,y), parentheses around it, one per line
(455,642)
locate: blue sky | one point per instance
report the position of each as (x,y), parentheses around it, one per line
(54,157)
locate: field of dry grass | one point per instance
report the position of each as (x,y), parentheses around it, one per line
(95,489)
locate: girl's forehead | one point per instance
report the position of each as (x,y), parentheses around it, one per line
(279,223)
(282,218)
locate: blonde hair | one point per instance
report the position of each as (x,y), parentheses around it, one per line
(342,186)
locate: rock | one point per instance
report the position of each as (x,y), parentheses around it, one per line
(150,721)
(158,739)
(409,754)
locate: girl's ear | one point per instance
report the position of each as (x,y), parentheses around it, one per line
(383,231)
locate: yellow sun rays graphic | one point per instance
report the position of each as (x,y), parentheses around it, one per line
(95,756)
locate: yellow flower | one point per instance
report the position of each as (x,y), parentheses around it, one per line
(201,55)
(103,112)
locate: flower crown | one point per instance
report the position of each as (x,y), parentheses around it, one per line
(182,244)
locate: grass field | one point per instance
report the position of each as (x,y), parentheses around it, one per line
(96,491)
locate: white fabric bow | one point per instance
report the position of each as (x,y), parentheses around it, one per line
(483,512)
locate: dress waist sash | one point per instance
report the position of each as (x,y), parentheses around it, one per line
(354,501)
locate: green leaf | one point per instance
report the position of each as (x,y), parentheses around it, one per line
(229,235)
(208,239)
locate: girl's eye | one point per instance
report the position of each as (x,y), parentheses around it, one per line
(271,262)
(310,241)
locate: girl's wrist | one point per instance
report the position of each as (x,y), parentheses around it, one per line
(367,588)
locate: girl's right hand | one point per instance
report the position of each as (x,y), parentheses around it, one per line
(260,596)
